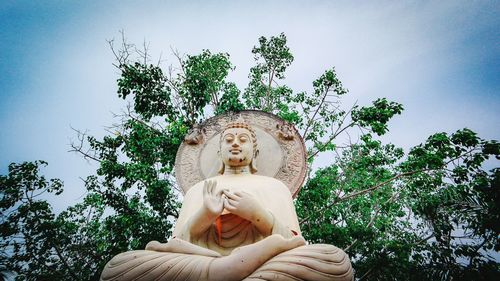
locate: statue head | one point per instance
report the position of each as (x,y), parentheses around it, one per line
(238,146)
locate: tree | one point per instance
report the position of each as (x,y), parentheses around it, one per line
(430,214)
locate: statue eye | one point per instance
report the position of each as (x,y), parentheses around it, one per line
(229,139)
(243,139)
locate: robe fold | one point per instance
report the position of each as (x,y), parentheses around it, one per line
(228,233)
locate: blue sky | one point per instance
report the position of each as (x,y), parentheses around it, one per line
(441,59)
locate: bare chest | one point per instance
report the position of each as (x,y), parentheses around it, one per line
(248,184)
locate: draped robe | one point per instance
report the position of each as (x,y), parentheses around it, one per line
(309,262)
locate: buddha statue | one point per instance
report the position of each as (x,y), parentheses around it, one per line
(234,226)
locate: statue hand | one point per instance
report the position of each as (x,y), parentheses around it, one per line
(212,199)
(242,204)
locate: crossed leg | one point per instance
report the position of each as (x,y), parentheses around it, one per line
(244,260)
(176,245)
(240,263)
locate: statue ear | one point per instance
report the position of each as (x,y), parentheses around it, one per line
(253,165)
(222,167)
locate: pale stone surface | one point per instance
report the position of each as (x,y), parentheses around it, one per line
(197,156)
(235,226)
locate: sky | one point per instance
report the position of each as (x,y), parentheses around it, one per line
(440,59)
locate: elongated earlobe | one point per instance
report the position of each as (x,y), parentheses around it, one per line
(253,165)
(222,167)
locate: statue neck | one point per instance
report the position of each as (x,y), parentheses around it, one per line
(243,170)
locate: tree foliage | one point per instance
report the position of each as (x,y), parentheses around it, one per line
(429,214)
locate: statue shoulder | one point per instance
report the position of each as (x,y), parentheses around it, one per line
(274,184)
(195,189)
(198,187)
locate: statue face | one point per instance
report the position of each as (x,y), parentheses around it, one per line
(236,147)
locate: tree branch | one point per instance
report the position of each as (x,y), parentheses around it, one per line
(58,251)
(361,192)
(336,134)
(311,120)
(375,215)
(79,147)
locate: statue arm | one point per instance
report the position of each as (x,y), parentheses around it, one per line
(195,219)
(280,204)
(198,224)
(264,222)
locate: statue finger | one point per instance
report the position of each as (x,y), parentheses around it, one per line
(232,202)
(205,188)
(210,188)
(219,193)
(232,195)
(240,193)
(214,186)
(228,205)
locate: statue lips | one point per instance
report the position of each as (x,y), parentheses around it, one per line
(235,151)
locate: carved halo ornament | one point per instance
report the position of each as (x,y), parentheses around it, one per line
(282,153)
